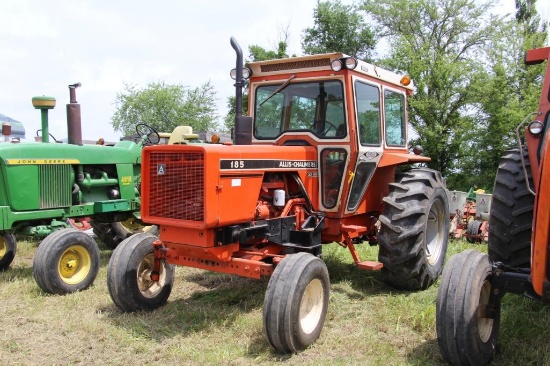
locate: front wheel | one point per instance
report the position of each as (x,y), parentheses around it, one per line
(466,333)
(296,302)
(129,275)
(66,261)
(8,247)
(414,231)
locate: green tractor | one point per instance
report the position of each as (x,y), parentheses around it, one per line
(48,188)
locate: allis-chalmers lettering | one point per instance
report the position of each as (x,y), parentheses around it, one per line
(267,164)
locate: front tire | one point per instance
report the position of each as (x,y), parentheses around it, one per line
(66,261)
(8,248)
(296,302)
(129,275)
(511,216)
(465,335)
(415,230)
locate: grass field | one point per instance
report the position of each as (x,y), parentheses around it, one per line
(213,319)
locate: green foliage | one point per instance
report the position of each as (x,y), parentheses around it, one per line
(508,93)
(164,106)
(439,44)
(339,28)
(258,53)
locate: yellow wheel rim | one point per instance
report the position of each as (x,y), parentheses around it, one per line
(75,264)
(3,247)
(148,287)
(133,226)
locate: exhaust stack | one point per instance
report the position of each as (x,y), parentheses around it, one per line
(74,123)
(243,124)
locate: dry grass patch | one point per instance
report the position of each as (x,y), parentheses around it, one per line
(213,319)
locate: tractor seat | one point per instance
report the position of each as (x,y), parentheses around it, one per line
(181,135)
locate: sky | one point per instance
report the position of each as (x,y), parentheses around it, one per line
(47,45)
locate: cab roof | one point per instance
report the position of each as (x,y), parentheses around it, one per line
(322,62)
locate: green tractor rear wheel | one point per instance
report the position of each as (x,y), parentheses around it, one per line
(8,247)
(112,234)
(132,226)
(66,261)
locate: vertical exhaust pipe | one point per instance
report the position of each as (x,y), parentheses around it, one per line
(74,123)
(243,124)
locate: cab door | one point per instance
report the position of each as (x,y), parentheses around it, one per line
(368,117)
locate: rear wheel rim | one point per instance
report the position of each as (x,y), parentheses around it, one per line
(435,235)
(147,286)
(75,264)
(311,306)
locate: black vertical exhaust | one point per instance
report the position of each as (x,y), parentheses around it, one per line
(243,124)
(74,123)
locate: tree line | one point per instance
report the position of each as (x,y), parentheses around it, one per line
(472,88)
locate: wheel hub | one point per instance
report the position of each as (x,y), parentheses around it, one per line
(311,306)
(74,264)
(147,286)
(435,234)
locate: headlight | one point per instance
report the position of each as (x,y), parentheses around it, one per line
(536,127)
(336,65)
(351,63)
(247,73)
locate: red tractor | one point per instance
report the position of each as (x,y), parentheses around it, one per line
(469,215)
(473,284)
(322,158)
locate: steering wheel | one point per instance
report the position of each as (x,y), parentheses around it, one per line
(325,129)
(148,134)
(39,134)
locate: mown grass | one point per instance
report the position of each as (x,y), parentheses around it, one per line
(214,319)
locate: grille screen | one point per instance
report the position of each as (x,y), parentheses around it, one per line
(306,64)
(55,185)
(177,185)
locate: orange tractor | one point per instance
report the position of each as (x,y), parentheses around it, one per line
(322,158)
(473,284)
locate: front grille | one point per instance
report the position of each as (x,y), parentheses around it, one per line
(295,65)
(176,185)
(55,185)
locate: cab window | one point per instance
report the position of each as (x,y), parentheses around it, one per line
(368,113)
(394,111)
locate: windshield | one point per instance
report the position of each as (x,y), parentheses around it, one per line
(317,107)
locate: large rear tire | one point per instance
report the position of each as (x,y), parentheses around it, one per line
(465,335)
(296,302)
(511,216)
(414,233)
(8,248)
(129,275)
(66,261)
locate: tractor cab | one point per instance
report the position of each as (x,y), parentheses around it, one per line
(353,113)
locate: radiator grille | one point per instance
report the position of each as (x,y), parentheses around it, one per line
(176,185)
(55,185)
(295,65)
